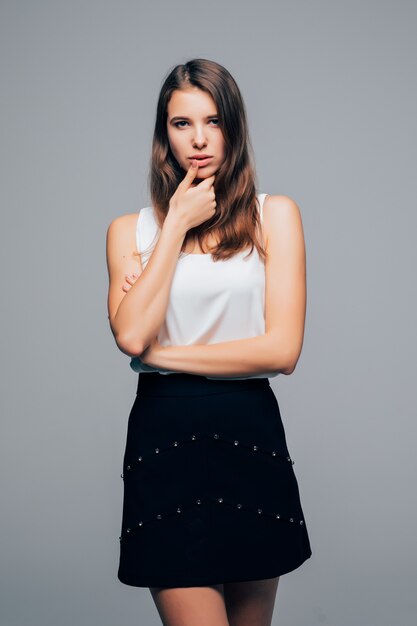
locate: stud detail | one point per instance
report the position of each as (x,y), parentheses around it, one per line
(216,436)
(197,502)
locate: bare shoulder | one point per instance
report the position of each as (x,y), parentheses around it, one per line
(121,232)
(280,205)
(282,219)
(122,225)
(121,239)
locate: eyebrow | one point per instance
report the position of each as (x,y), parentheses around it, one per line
(184,117)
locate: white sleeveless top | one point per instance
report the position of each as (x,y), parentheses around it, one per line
(210,302)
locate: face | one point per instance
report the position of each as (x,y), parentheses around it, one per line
(193,129)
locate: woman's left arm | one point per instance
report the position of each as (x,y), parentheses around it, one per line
(285,308)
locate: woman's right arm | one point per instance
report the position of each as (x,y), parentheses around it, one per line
(136,316)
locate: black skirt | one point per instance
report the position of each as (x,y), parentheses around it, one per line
(210,493)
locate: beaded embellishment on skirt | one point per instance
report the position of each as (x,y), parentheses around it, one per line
(133,464)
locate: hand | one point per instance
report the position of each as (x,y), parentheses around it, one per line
(130,280)
(193,205)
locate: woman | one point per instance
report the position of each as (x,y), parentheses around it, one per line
(207,296)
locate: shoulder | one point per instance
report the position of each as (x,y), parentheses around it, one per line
(282,219)
(121,222)
(121,234)
(280,205)
(122,226)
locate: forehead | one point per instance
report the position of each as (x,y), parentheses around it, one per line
(191,101)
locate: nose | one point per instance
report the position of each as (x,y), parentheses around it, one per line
(199,139)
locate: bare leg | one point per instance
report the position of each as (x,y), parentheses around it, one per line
(251,603)
(190,606)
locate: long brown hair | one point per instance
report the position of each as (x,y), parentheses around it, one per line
(236,222)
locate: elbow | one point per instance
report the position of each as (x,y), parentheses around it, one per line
(284,350)
(290,364)
(286,362)
(128,346)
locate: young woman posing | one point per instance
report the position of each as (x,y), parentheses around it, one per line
(207,295)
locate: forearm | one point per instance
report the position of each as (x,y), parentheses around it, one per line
(143,309)
(252,356)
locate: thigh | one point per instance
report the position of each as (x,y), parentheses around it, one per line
(251,603)
(188,606)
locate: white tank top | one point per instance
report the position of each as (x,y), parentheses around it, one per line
(210,302)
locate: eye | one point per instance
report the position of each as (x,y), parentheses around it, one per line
(176,124)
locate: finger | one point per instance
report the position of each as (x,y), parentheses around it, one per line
(190,175)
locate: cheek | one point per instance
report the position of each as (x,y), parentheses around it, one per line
(221,145)
(177,147)
(221,150)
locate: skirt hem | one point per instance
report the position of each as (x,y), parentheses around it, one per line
(210,580)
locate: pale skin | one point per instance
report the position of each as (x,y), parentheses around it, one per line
(137,303)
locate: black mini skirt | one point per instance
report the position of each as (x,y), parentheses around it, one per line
(209,490)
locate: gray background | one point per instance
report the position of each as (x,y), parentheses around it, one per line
(331,99)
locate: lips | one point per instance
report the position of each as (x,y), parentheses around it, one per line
(200,160)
